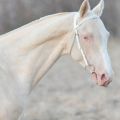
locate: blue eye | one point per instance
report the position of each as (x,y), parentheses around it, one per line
(85,37)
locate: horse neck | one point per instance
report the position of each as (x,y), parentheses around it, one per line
(55,35)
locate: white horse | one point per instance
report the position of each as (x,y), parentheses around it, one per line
(26,54)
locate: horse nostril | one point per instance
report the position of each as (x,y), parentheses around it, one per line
(105,80)
(103,77)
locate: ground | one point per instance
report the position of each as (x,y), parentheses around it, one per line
(68,93)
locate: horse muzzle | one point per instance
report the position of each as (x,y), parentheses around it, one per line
(101,79)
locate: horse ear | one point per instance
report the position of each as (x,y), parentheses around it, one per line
(98,10)
(85,8)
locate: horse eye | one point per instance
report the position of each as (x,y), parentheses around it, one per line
(85,38)
(88,37)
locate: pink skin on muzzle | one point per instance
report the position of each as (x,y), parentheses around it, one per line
(102,80)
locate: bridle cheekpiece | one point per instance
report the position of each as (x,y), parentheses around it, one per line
(77,37)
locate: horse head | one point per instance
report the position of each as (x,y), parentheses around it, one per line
(90,42)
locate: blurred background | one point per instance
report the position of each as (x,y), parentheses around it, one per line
(67,91)
(15,13)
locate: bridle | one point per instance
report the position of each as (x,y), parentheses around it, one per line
(77,38)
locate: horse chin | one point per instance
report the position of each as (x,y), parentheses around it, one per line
(100,82)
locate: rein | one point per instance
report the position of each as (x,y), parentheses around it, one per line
(77,37)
